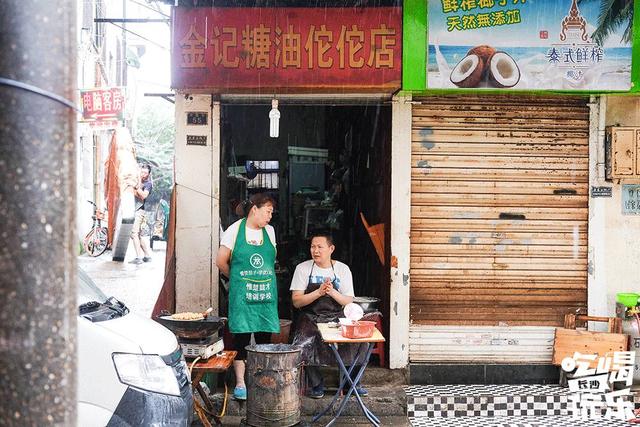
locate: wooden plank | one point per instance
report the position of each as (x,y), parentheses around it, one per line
(485,263)
(498,225)
(497,123)
(480,274)
(511,238)
(498,162)
(497,187)
(602,344)
(498,112)
(436,102)
(503,136)
(422,199)
(494,213)
(466,174)
(530,148)
(500,250)
(540,282)
(437,296)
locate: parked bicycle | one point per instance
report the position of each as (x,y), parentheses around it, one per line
(96,240)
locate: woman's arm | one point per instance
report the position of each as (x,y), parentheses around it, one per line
(222,260)
(338,297)
(300,299)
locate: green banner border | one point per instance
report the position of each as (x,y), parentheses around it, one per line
(414,57)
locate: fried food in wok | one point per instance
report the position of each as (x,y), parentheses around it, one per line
(187,315)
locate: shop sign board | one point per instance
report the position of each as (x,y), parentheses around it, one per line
(197,140)
(104,104)
(534,45)
(630,199)
(255,50)
(600,191)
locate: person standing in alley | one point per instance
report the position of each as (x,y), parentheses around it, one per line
(141,191)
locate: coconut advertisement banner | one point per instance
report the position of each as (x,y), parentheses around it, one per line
(530,44)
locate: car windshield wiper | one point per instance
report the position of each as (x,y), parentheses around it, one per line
(89,307)
(116,305)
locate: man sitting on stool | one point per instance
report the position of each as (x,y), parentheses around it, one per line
(320,288)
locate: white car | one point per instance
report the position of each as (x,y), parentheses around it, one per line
(131,371)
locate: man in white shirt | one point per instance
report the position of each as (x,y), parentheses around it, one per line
(320,288)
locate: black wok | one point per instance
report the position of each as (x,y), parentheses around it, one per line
(192,328)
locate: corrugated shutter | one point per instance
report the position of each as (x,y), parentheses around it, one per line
(499,210)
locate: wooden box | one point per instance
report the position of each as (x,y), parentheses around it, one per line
(568,341)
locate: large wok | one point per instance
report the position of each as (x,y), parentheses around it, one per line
(192,328)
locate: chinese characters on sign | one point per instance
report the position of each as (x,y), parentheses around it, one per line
(577,53)
(102,104)
(593,391)
(630,199)
(236,48)
(480,17)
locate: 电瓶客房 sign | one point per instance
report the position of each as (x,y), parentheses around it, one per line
(102,104)
(261,50)
(531,45)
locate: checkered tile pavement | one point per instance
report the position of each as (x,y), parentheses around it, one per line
(442,401)
(539,421)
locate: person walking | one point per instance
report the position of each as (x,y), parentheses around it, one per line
(247,256)
(141,192)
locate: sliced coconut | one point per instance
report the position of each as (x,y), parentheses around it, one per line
(468,72)
(483,51)
(503,70)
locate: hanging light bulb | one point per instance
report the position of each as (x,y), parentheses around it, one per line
(274,120)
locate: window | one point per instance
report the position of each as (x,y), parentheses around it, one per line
(267,176)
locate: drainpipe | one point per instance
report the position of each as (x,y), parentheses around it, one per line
(37,213)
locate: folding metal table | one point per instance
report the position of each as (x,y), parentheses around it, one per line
(333,337)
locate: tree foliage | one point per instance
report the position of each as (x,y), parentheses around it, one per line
(613,14)
(154,136)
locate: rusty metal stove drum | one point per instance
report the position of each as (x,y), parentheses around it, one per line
(272,377)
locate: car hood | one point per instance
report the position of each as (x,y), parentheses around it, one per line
(150,336)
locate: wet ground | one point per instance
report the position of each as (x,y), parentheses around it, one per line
(137,286)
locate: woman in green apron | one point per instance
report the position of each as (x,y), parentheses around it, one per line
(247,255)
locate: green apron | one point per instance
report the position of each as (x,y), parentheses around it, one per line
(253,291)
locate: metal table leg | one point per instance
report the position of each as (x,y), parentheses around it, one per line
(340,387)
(352,389)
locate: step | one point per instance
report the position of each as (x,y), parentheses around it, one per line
(450,401)
(389,401)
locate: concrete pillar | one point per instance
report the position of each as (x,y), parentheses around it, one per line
(197,164)
(400,231)
(37,214)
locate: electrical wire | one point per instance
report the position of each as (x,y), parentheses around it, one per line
(39,91)
(138,35)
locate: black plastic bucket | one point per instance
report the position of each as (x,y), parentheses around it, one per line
(272,374)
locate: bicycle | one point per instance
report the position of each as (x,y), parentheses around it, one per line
(95,242)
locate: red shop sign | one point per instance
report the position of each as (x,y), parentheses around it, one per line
(98,104)
(259,50)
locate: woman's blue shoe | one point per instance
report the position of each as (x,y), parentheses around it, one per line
(240,393)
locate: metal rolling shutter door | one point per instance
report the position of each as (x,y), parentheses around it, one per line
(499,209)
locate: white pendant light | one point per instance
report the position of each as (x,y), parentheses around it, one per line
(274,120)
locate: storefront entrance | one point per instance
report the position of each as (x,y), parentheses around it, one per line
(328,169)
